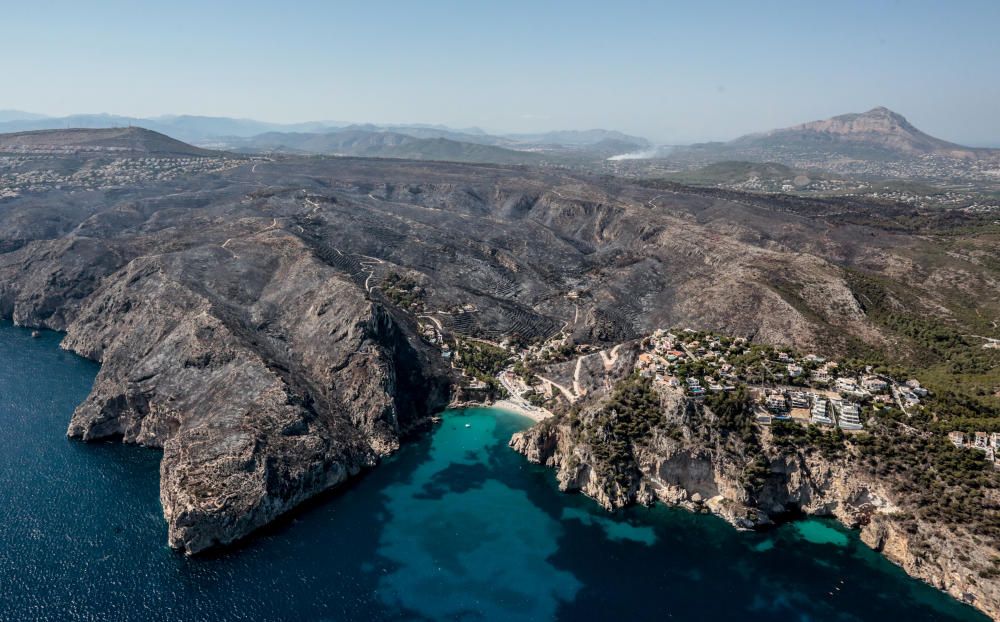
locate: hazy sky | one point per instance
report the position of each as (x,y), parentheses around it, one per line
(674,72)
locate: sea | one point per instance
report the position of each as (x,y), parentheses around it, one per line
(455,526)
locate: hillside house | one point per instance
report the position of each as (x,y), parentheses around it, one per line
(846,385)
(914,386)
(821,377)
(798,399)
(819,413)
(848,415)
(909,397)
(874,384)
(775,403)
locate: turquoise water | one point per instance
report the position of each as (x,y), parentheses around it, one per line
(456,526)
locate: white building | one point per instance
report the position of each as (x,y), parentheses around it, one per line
(820,414)
(981,441)
(848,415)
(874,384)
(909,398)
(799,399)
(846,385)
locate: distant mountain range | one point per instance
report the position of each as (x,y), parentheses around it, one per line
(331,137)
(383,144)
(188,128)
(346,142)
(877,136)
(19,115)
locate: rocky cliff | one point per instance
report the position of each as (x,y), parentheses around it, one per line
(694,459)
(265,375)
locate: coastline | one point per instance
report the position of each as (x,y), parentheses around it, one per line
(528,411)
(840,491)
(534,413)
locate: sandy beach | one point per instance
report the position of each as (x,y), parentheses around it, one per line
(532,412)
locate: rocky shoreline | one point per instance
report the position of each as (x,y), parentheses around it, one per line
(260,397)
(695,473)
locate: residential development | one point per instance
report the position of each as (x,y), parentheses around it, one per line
(783,386)
(986,442)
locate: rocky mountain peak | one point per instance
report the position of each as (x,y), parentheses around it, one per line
(879,120)
(878,131)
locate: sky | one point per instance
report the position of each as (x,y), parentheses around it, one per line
(670,71)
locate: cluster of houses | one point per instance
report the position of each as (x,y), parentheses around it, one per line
(810,389)
(825,409)
(986,442)
(20,174)
(668,350)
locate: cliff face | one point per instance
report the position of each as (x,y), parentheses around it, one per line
(265,375)
(692,467)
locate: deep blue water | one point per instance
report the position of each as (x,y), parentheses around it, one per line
(455,526)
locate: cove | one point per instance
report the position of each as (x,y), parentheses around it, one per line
(455,526)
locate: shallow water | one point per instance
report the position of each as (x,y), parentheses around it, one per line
(455,526)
